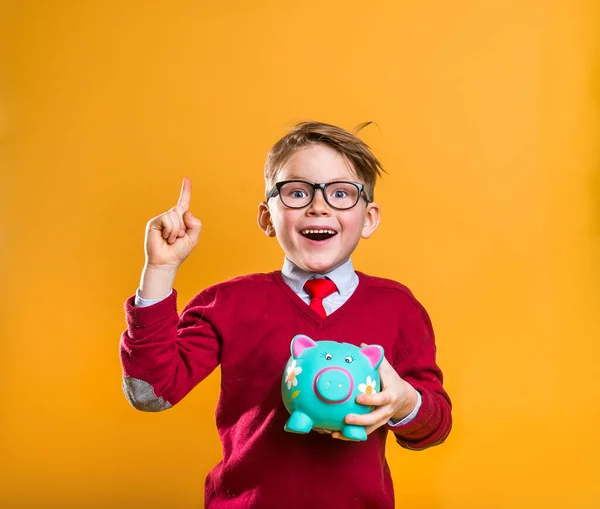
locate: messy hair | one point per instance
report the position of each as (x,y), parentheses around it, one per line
(355,151)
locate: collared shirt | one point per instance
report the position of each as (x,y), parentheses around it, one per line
(345,279)
(343,276)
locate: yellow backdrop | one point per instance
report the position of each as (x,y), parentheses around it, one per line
(487,115)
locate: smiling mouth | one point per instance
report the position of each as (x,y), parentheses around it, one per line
(318,234)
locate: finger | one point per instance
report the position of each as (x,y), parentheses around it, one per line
(181,222)
(185,195)
(177,226)
(387,374)
(323,431)
(339,436)
(385,367)
(373,427)
(381,398)
(192,225)
(167,223)
(381,414)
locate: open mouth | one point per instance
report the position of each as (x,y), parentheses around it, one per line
(318,234)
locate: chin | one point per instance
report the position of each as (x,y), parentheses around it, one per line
(320,266)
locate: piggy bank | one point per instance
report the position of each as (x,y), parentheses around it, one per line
(322,380)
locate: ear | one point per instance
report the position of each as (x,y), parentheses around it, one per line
(264,219)
(371,220)
(300,343)
(374,354)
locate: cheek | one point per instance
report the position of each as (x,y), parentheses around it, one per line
(353,224)
(284,223)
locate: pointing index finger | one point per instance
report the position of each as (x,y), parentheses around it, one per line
(186,194)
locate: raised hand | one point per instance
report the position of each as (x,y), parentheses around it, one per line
(172,236)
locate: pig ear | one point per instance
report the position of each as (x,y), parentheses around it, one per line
(374,353)
(301,343)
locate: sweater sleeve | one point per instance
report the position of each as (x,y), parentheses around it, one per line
(164,355)
(414,360)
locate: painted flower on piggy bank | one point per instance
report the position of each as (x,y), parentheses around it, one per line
(322,380)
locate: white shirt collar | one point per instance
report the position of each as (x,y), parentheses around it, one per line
(295,277)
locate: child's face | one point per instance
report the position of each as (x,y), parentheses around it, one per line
(320,164)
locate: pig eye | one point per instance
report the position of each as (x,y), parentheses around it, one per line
(328,356)
(349,359)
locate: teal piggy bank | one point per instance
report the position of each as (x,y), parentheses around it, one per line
(321,381)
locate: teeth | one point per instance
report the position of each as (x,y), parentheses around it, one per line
(306,232)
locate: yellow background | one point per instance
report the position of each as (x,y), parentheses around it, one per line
(487,123)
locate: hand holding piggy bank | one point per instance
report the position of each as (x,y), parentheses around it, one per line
(322,380)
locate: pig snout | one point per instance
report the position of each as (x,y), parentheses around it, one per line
(334,385)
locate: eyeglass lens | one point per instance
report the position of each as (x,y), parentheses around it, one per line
(341,195)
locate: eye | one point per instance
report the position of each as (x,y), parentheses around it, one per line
(340,194)
(328,356)
(298,194)
(349,359)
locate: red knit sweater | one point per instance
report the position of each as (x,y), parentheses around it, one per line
(246,324)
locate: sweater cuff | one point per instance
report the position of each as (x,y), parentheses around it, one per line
(422,419)
(138,316)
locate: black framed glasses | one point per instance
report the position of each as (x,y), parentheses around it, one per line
(297,194)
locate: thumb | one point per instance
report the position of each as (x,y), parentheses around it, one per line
(193,225)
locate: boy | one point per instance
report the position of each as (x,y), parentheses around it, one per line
(319,203)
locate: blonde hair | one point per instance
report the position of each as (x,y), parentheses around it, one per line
(357,152)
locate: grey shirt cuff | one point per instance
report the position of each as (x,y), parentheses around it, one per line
(141,302)
(410,416)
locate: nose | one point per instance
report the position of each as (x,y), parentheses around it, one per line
(318,206)
(334,385)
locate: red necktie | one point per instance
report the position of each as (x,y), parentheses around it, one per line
(318,289)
